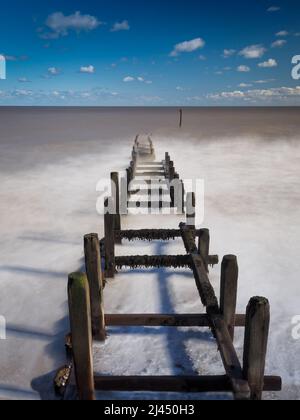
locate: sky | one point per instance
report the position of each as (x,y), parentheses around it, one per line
(150,53)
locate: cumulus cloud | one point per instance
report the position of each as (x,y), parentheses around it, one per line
(128,79)
(87,69)
(121,26)
(24,80)
(282,33)
(280,93)
(58,24)
(253,51)
(53,71)
(268,64)
(273,9)
(188,47)
(243,69)
(245,85)
(279,43)
(228,53)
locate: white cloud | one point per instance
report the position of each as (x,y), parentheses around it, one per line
(281,93)
(53,71)
(268,64)
(279,43)
(24,80)
(253,51)
(273,9)
(60,24)
(121,26)
(87,69)
(228,53)
(128,79)
(188,47)
(243,69)
(245,85)
(282,33)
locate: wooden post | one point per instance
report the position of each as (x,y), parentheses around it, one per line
(95,279)
(256,343)
(171,172)
(180,117)
(81,330)
(203,246)
(182,197)
(109,221)
(229,285)
(116,191)
(191,209)
(129,178)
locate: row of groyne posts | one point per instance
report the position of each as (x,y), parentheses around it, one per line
(88,320)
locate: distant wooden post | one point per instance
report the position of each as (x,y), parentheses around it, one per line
(191,209)
(180,117)
(95,279)
(229,286)
(256,343)
(81,330)
(171,171)
(203,246)
(182,197)
(129,178)
(116,191)
(109,221)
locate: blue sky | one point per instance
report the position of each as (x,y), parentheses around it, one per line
(134,52)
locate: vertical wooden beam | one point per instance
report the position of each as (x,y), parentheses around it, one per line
(81,330)
(204,245)
(109,222)
(256,343)
(116,194)
(191,209)
(229,286)
(129,178)
(95,279)
(180,118)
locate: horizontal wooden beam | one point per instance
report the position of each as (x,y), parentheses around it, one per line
(188,384)
(155,261)
(152,234)
(154,320)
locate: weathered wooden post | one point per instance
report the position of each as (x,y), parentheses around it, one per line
(81,330)
(109,222)
(171,171)
(129,178)
(256,343)
(229,286)
(115,186)
(95,279)
(203,246)
(180,117)
(191,209)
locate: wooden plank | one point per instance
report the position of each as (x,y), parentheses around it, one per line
(207,294)
(186,384)
(115,185)
(95,279)
(109,222)
(153,261)
(204,246)
(81,330)
(228,296)
(153,234)
(230,359)
(155,320)
(256,343)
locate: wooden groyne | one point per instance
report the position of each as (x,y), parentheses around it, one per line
(245,379)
